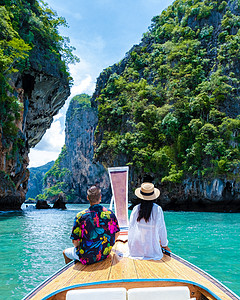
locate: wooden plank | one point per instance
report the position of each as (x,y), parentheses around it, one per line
(77,274)
(161,270)
(155,269)
(65,272)
(168,268)
(122,267)
(60,281)
(66,278)
(190,274)
(95,272)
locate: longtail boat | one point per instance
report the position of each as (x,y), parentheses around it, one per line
(119,277)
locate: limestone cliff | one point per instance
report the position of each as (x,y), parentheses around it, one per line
(42,93)
(35,182)
(170,109)
(75,169)
(34,86)
(216,194)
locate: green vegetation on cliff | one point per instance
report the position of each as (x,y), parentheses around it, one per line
(56,171)
(58,180)
(35,182)
(77,104)
(26,28)
(83,100)
(171,106)
(53,180)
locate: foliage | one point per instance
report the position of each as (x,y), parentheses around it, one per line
(83,100)
(77,104)
(35,182)
(53,191)
(174,175)
(6,180)
(13,50)
(56,180)
(26,27)
(168,107)
(56,171)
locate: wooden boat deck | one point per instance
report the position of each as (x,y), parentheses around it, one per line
(118,271)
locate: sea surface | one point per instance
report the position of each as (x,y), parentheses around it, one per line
(32,242)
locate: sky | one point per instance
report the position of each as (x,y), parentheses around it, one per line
(102,31)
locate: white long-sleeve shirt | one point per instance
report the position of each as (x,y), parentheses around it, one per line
(144,238)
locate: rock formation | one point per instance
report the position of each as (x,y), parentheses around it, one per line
(34,86)
(216,195)
(35,182)
(42,93)
(60,203)
(42,204)
(170,108)
(75,169)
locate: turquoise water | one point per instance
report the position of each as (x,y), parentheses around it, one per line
(32,242)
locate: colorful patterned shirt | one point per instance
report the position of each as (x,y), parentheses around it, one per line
(95,228)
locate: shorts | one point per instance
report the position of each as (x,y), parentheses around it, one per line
(71,253)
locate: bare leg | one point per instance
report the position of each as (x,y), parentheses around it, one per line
(67,260)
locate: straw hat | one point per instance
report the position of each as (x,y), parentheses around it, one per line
(147,191)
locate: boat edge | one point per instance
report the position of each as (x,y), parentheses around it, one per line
(200,271)
(130,280)
(44,283)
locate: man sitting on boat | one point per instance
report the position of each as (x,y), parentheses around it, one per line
(147,232)
(94,231)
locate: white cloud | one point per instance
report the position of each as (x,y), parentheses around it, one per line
(55,136)
(40,158)
(50,146)
(58,116)
(82,84)
(85,86)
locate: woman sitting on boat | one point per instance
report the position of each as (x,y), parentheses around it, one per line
(147,232)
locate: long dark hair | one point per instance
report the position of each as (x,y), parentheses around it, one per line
(145,210)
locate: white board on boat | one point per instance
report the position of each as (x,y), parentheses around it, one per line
(119,183)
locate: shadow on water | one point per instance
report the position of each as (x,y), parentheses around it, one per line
(16,213)
(10,214)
